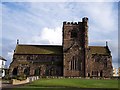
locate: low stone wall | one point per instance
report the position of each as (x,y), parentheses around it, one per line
(29,79)
(33,78)
(58,77)
(17,82)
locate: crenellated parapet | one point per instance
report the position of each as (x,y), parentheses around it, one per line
(70,23)
(84,20)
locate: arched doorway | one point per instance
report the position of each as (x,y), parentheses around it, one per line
(15,71)
(27,71)
(37,72)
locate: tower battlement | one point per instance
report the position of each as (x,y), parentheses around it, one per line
(70,23)
(85,19)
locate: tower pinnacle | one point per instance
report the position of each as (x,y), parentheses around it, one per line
(17,41)
(106,43)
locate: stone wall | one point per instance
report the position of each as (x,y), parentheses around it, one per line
(99,65)
(46,64)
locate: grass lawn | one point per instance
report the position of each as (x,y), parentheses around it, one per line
(47,84)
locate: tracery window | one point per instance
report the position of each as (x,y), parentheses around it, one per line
(73,63)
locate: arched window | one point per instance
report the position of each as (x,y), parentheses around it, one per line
(27,71)
(15,71)
(105,63)
(73,64)
(37,72)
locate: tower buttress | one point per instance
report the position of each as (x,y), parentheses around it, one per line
(85,27)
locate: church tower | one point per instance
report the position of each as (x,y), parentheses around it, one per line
(75,44)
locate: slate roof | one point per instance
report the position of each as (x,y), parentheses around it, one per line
(99,50)
(1,58)
(38,49)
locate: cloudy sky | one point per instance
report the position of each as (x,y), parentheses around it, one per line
(41,23)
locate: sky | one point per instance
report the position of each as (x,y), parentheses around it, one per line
(34,22)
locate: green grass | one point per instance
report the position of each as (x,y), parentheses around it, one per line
(78,83)
(69,84)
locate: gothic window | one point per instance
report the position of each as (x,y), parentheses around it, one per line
(15,71)
(105,63)
(76,63)
(73,34)
(73,63)
(69,65)
(37,72)
(27,71)
(97,58)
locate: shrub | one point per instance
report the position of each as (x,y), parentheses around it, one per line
(7,77)
(43,76)
(21,77)
(14,77)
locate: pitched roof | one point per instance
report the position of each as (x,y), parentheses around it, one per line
(38,49)
(1,58)
(99,50)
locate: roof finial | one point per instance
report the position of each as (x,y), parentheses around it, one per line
(106,43)
(17,41)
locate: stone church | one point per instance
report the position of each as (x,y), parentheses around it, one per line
(74,58)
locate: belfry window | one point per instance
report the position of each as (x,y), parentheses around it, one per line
(73,34)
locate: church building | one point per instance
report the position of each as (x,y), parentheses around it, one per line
(74,58)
